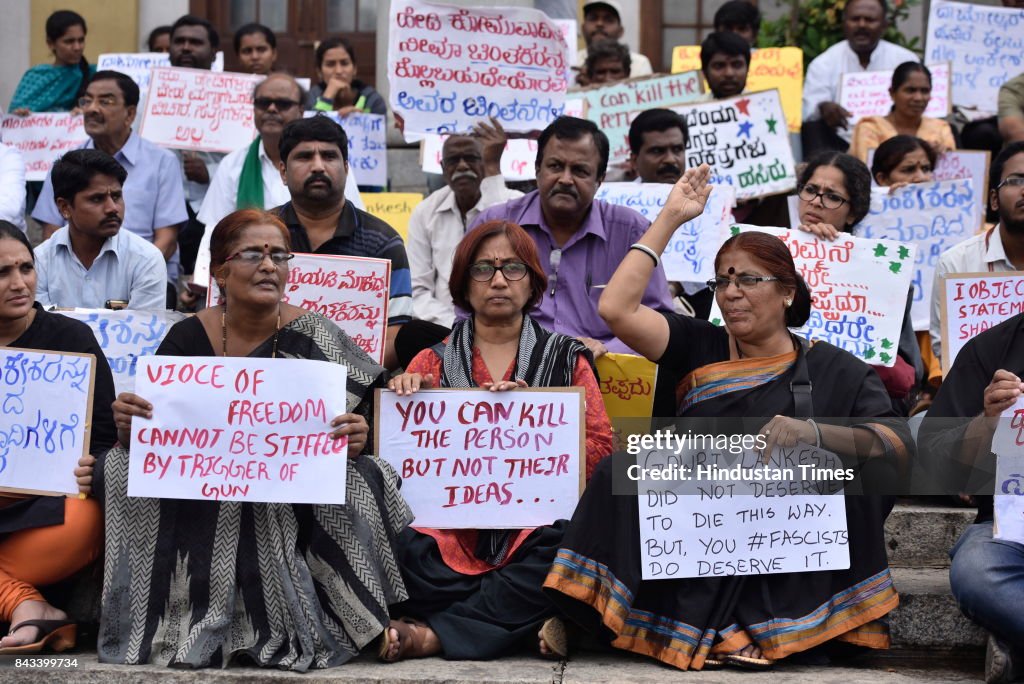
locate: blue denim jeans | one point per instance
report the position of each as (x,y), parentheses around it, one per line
(987,578)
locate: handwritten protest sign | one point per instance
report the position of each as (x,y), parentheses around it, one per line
(137,65)
(866,93)
(737,137)
(627,385)
(781,69)
(195,109)
(1008,446)
(971,303)
(984,44)
(858,290)
(126,335)
(714,519)
(933,217)
(614,107)
(42,138)
(449,67)
(517,161)
(956,164)
(239,429)
(350,291)
(367,145)
(45,419)
(476,459)
(393,208)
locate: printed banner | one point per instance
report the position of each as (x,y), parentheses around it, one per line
(627,385)
(479,459)
(858,290)
(45,419)
(933,217)
(984,44)
(781,69)
(449,67)
(744,142)
(393,208)
(126,335)
(367,145)
(42,139)
(712,513)
(974,302)
(614,107)
(866,93)
(1008,446)
(195,109)
(239,429)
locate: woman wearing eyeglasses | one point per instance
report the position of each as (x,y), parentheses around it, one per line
(754,366)
(201,583)
(476,594)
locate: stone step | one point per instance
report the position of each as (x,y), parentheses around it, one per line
(919,535)
(928,617)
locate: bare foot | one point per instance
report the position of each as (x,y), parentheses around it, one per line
(30,610)
(419,639)
(542,645)
(750,651)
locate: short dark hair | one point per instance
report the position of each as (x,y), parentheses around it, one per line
(72,173)
(250,29)
(129,88)
(156,33)
(903,71)
(725,42)
(995,174)
(12,232)
(58,23)
(193,20)
(523,247)
(856,178)
(882,3)
(655,121)
(736,13)
(331,43)
(607,49)
(571,128)
(230,228)
(890,153)
(319,128)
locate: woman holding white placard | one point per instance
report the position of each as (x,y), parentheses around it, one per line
(286,585)
(45,539)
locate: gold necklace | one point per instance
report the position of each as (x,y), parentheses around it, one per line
(224,330)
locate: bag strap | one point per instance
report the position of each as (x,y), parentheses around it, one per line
(801,384)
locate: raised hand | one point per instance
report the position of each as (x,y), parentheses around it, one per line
(689,195)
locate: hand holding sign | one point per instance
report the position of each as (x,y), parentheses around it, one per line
(1002,393)
(355,428)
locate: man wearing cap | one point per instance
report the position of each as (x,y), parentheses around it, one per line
(603,21)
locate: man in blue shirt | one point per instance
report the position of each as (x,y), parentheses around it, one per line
(91,262)
(153,193)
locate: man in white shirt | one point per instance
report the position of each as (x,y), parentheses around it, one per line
(12,186)
(826,123)
(998,249)
(603,21)
(472,172)
(276,102)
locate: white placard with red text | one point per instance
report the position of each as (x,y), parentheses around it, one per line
(1008,503)
(974,302)
(239,429)
(42,138)
(866,93)
(480,459)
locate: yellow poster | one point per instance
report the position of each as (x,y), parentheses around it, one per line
(393,208)
(781,68)
(627,385)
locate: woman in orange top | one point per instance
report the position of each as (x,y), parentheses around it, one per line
(478,592)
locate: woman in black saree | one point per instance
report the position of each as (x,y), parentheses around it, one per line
(742,370)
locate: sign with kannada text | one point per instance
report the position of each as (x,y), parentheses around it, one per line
(480,459)
(42,138)
(517,161)
(627,385)
(858,290)
(367,145)
(985,46)
(1008,446)
(137,65)
(956,164)
(393,208)
(126,335)
(239,429)
(613,107)
(712,513)
(449,67)
(776,68)
(195,109)
(45,419)
(974,302)
(866,93)
(745,142)
(933,217)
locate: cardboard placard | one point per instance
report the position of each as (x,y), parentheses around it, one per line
(627,385)
(42,139)
(393,208)
(866,93)
(971,303)
(1008,446)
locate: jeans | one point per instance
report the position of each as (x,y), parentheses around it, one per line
(987,578)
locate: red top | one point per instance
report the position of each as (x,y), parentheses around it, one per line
(457,546)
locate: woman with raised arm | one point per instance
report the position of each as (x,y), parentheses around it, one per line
(752,367)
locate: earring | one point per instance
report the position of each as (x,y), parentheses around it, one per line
(789,302)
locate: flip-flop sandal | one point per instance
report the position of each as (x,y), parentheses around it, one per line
(410,640)
(713,664)
(748,663)
(556,636)
(57,635)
